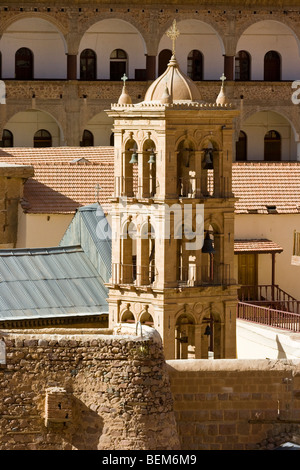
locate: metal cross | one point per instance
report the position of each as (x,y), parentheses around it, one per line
(223,78)
(173,34)
(124,78)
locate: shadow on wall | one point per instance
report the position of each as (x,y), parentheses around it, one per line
(87,433)
(281,352)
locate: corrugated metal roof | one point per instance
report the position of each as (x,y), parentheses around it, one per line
(44,283)
(91,230)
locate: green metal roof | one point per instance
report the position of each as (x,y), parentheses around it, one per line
(49,282)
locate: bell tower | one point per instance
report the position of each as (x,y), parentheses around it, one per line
(173,216)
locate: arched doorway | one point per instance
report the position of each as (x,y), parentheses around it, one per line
(195,65)
(87,139)
(118,64)
(272,146)
(7,138)
(272,67)
(163,60)
(42,138)
(88,66)
(242,66)
(241,147)
(185,337)
(24,64)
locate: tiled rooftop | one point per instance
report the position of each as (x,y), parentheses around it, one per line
(69,177)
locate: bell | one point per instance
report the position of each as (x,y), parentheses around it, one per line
(152,158)
(208,245)
(208,162)
(134,158)
(207,331)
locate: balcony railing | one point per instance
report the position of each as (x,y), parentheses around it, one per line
(133,274)
(271,296)
(210,275)
(134,186)
(191,276)
(269,317)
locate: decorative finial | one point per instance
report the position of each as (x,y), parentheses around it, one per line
(173,33)
(222,99)
(124,98)
(124,78)
(223,78)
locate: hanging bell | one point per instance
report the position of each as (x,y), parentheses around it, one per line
(208,160)
(208,246)
(207,331)
(134,158)
(152,158)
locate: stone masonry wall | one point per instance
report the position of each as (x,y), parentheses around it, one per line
(236,404)
(85,390)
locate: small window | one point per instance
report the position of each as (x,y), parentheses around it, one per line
(42,138)
(296,247)
(24,64)
(163,60)
(7,138)
(195,65)
(272,150)
(242,66)
(241,147)
(87,139)
(88,65)
(272,66)
(118,64)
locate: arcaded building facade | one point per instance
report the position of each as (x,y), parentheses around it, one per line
(62,67)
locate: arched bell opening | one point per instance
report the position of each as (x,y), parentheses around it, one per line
(130,170)
(147,170)
(214,272)
(186,169)
(210,178)
(128,254)
(146,271)
(185,337)
(211,337)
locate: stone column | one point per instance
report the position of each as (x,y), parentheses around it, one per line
(150,67)
(229,67)
(71,67)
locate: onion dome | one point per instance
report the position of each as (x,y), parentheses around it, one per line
(180,87)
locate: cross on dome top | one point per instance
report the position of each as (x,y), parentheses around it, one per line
(173,33)
(223,78)
(124,78)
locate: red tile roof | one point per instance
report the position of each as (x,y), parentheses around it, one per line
(67,177)
(263,185)
(256,246)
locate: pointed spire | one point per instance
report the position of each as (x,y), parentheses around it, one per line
(124,97)
(166,97)
(222,99)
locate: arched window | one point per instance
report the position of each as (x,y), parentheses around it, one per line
(87,139)
(241,148)
(24,64)
(42,138)
(88,65)
(195,65)
(118,64)
(272,151)
(272,67)
(7,138)
(242,66)
(163,60)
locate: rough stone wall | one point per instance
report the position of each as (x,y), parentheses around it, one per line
(85,390)
(236,404)
(12,180)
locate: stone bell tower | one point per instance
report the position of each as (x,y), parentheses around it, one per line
(173,216)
